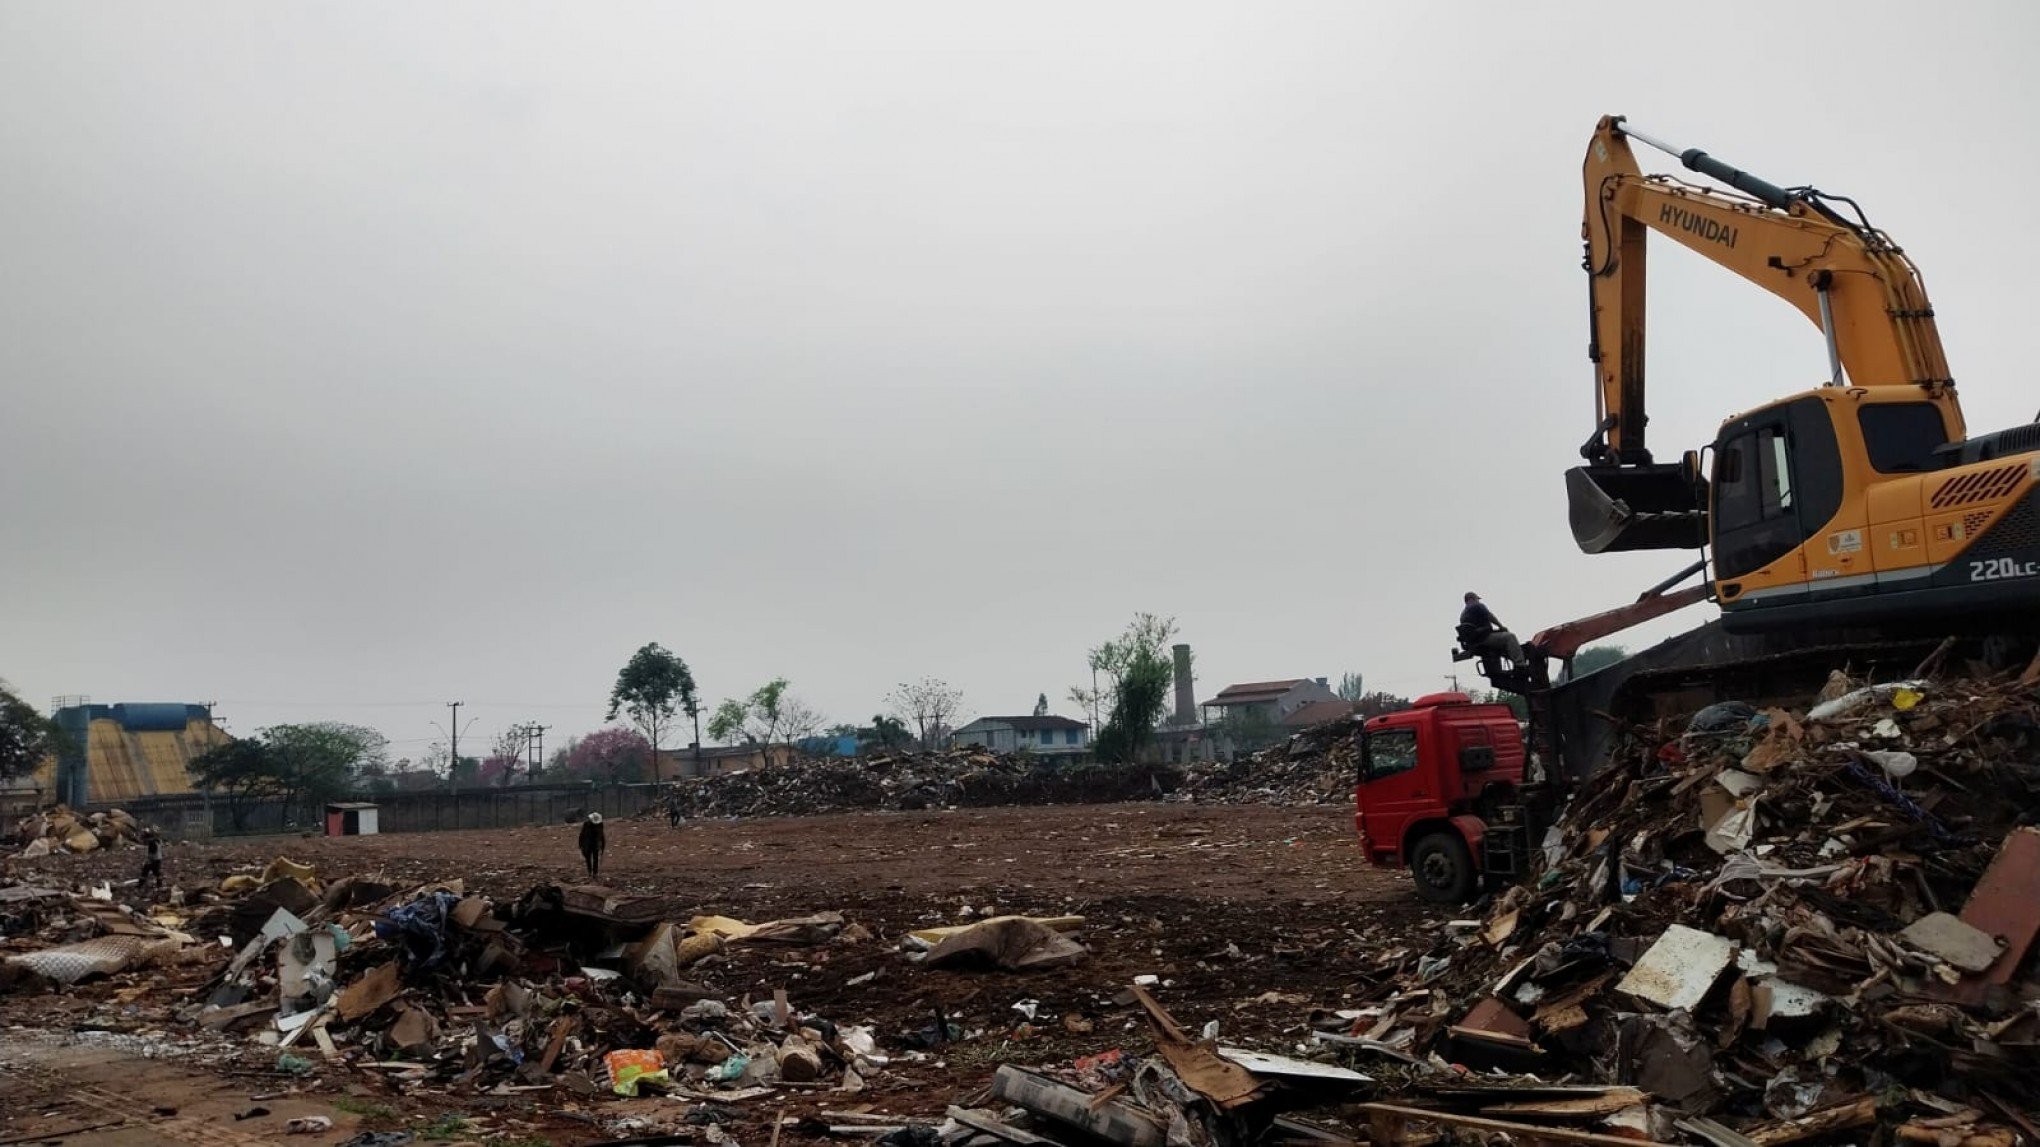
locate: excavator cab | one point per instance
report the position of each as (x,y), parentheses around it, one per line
(1638,507)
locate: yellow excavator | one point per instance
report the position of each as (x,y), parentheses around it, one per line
(1852,523)
(1858,502)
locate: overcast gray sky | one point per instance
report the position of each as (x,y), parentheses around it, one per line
(362,357)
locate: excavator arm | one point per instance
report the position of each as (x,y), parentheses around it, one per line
(1848,278)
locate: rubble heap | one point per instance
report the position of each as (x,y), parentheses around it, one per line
(1788,923)
(61,830)
(1314,767)
(966,777)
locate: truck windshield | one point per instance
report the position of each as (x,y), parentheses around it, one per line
(1391,751)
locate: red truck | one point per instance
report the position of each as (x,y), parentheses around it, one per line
(1440,791)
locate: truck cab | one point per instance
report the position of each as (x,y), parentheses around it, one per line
(1438,793)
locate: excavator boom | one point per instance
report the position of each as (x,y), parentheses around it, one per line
(1846,277)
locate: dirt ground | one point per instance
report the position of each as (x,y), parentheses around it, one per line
(1251,916)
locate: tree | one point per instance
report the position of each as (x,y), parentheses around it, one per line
(1139,674)
(1351,687)
(886,732)
(242,771)
(26,736)
(1375,704)
(319,761)
(930,706)
(1248,727)
(616,754)
(1596,657)
(1041,705)
(769,716)
(1146,632)
(505,757)
(654,687)
(1515,701)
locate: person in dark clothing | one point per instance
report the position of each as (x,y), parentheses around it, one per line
(673,811)
(593,844)
(152,862)
(1482,632)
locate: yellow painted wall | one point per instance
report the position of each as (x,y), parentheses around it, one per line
(121,766)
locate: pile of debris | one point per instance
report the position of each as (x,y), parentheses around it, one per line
(577,987)
(967,777)
(61,830)
(1314,767)
(1759,926)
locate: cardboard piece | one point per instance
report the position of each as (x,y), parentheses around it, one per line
(378,986)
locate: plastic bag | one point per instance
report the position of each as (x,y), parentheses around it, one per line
(632,1066)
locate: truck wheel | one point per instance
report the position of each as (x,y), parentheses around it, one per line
(1443,869)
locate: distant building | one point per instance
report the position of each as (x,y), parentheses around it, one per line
(1042,736)
(1319,713)
(115,753)
(1266,702)
(672,764)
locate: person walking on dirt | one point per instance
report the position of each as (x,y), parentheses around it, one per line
(593,844)
(673,811)
(152,858)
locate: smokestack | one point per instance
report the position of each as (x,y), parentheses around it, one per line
(1186,693)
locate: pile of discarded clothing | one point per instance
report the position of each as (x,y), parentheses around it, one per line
(967,777)
(1756,925)
(61,830)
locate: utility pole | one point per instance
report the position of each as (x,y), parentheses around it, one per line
(534,733)
(453,765)
(1454,678)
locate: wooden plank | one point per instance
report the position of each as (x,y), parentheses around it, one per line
(553,1046)
(327,1047)
(1841,1117)
(1396,1114)
(1585,1107)
(998,1130)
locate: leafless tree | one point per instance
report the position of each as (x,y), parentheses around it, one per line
(930,705)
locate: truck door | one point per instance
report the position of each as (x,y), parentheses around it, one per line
(1393,789)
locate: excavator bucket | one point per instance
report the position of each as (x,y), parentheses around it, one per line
(1657,507)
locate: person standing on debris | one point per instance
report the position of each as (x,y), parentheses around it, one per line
(1482,632)
(593,844)
(152,858)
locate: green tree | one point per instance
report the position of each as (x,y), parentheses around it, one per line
(769,716)
(1375,704)
(324,759)
(241,771)
(1596,657)
(1140,673)
(26,736)
(654,687)
(1351,687)
(886,732)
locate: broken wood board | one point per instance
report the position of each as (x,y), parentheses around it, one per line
(375,988)
(1197,1063)
(979,1121)
(1584,1107)
(1387,1121)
